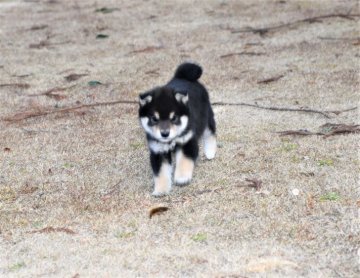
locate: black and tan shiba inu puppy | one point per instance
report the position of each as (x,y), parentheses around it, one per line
(174,118)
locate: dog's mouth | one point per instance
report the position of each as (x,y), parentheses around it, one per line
(165,140)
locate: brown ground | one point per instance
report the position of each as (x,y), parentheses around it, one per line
(75,187)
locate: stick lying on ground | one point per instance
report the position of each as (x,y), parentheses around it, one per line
(32,114)
(327,130)
(324,113)
(263,31)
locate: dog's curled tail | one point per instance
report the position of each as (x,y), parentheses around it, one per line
(188,71)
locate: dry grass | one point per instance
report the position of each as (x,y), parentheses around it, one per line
(75,186)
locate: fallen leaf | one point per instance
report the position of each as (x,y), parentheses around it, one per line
(268,264)
(102,36)
(74,76)
(38,27)
(271,79)
(93,83)
(106,10)
(157,209)
(255,183)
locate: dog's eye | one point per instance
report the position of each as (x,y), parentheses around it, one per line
(154,119)
(174,119)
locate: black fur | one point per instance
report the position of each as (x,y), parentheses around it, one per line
(194,103)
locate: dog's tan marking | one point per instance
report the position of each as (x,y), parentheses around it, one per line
(184,168)
(163,180)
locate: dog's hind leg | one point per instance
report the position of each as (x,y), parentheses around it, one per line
(209,137)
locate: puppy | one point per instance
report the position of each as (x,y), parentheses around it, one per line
(175,117)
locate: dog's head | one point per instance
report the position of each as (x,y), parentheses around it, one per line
(164,113)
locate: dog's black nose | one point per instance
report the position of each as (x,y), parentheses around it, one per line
(165,133)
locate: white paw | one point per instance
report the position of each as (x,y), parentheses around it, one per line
(162,182)
(182,179)
(160,193)
(210,148)
(184,169)
(209,144)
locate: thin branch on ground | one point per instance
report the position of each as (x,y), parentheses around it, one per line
(327,130)
(52,230)
(33,114)
(246,53)
(38,113)
(17,85)
(323,113)
(271,79)
(263,31)
(52,93)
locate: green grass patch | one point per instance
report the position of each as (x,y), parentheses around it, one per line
(331,196)
(325,162)
(16,266)
(199,237)
(125,234)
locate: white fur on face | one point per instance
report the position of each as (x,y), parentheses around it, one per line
(175,130)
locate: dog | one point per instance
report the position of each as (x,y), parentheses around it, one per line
(175,117)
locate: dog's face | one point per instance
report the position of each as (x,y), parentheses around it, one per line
(164,113)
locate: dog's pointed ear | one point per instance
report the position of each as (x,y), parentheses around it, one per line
(182,96)
(145,98)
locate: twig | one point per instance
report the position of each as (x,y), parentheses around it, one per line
(146,49)
(271,79)
(339,39)
(52,230)
(45,43)
(323,113)
(242,53)
(327,130)
(298,132)
(263,31)
(18,85)
(32,114)
(51,93)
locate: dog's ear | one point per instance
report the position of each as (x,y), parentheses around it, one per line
(145,98)
(182,96)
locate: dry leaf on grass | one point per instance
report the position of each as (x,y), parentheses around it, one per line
(50,229)
(268,264)
(74,76)
(157,209)
(255,183)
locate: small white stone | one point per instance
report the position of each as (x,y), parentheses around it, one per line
(295,191)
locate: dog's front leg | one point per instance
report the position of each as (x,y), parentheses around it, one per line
(162,169)
(185,162)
